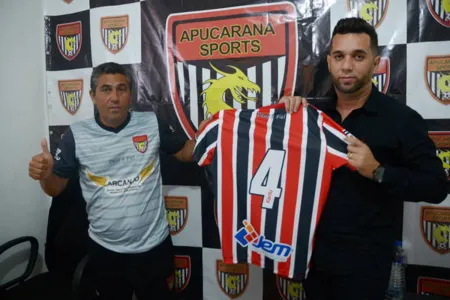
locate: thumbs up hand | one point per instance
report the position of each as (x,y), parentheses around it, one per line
(41,165)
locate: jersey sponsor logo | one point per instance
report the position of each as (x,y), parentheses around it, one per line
(69,39)
(433,286)
(177,213)
(441,140)
(182,272)
(71,94)
(58,152)
(247,236)
(437,77)
(436,228)
(440,10)
(232,278)
(372,11)
(114,32)
(240,57)
(382,74)
(140,143)
(290,289)
(121,185)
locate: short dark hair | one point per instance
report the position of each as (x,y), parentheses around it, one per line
(357,25)
(109,68)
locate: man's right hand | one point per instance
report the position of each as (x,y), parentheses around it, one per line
(292,103)
(41,165)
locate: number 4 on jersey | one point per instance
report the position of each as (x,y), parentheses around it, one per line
(266,180)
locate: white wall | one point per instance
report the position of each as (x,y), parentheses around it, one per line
(23,206)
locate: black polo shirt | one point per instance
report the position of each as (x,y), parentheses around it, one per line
(356,229)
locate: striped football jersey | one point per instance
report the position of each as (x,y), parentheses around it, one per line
(270,172)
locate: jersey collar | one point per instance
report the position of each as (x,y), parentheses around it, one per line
(112,129)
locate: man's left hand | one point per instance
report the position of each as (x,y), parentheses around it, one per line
(360,156)
(200,127)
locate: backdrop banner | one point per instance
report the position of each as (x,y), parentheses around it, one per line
(177,49)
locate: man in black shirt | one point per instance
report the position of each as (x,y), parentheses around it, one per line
(395,161)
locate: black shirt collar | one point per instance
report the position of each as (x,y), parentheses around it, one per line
(371,106)
(112,129)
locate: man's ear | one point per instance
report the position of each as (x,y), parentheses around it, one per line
(92,94)
(328,61)
(376,62)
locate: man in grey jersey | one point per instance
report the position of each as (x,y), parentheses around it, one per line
(116,156)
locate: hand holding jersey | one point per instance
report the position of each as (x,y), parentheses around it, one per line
(292,103)
(359,154)
(361,157)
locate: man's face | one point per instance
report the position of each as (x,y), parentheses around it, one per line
(351,62)
(112,98)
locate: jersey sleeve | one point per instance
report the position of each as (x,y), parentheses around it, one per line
(65,162)
(336,145)
(170,141)
(206,143)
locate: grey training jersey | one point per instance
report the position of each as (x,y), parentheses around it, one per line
(120,178)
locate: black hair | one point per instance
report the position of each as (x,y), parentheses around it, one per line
(109,68)
(357,25)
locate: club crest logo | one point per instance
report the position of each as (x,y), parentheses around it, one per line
(241,57)
(71,94)
(382,74)
(114,32)
(69,39)
(373,11)
(440,10)
(68,1)
(437,77)
(436,228)
(182,272)
(441,140)
(140,143)
(177,213)
(433,287)
(290,289)
(232,278)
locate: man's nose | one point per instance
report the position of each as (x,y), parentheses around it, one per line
(347,63)
(114,95)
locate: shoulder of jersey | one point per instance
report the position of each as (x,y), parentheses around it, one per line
(143,114)
(82,123)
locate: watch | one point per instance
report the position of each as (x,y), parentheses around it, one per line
(378,173)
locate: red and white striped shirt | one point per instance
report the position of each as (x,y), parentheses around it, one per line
(271,172)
